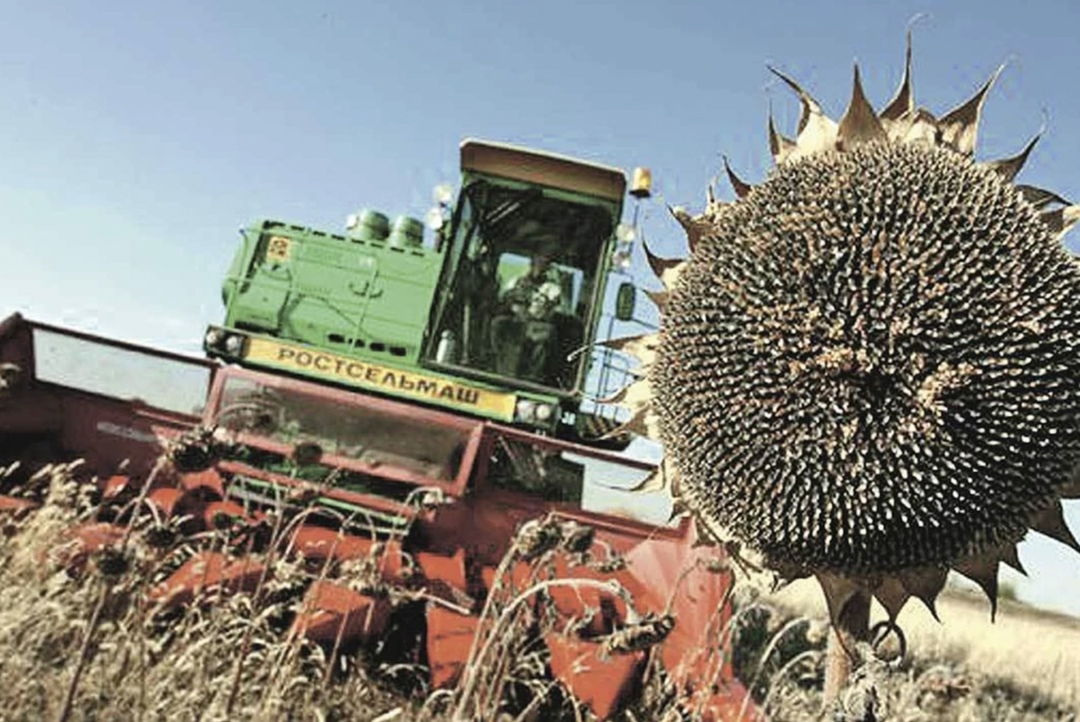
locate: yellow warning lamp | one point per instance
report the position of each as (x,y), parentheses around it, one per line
(641,183)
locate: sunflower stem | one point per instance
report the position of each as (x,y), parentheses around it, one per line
(852,625)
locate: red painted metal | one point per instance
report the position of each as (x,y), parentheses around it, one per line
(317,544)
(209,482)
(125,345)
(170,501)
(520,577)
(10,324)
(204,574)
(600,610)
(334,614)
(694,581)
(454,548)
(220,514)
(13,506)
(115,485)
(390,560)
(26,413)
(449,640)
(81,542)
(445,575)
(103,430)
(90,426)
(601,681)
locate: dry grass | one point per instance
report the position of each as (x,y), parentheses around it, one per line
(1023,666)
(83,648)
(89,639)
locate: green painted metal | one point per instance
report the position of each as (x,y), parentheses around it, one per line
(407,233)
(370,226)
(367,299)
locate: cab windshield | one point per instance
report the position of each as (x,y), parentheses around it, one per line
(523,268)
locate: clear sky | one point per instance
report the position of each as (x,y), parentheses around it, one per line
(136,138)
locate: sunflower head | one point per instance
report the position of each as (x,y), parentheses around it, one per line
(868,369)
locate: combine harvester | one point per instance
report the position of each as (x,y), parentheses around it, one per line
(414,411)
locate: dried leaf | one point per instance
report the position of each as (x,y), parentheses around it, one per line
(641,347)
(1009,556)
(644,423)
(633,396)
(1008,168)
(665,269)
(921,128)
(660,298)
(694,228)
(740,187)
(660,479)
(892,595)
(838,591)
(960,126)
(860,124)
(1040,197)
(780,145)
(1051,522)
(1060,221)
(983,570)
(817,132)
(925,584)
(903,103)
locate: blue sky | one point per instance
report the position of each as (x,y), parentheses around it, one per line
(137,138)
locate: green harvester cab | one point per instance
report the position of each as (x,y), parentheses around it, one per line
(489,319)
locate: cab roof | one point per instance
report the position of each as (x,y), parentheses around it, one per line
(549,169)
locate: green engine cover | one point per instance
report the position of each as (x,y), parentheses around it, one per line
(367,294)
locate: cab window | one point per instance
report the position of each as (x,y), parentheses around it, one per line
(521,284)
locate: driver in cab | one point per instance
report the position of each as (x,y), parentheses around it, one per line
(535,295)
(524,332)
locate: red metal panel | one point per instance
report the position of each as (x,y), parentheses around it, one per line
(449,640)
(318,544)
(695,583)
(114,486)
(15,343)
(31,412)
(79,543)
(600,681)
(207,482)
(169,501)
(445,576)
(10,324)
(218,514)
(334,614)
(206,573)
(15,507)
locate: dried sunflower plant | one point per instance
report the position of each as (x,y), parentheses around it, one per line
(868,369)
